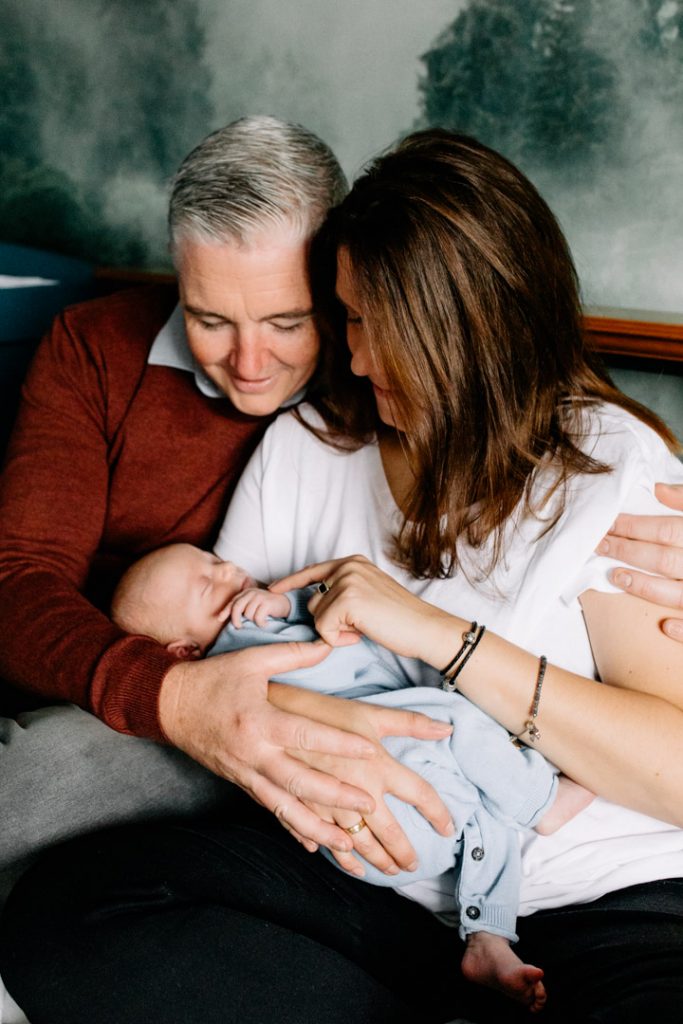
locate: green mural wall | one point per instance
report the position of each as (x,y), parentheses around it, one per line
(101,99)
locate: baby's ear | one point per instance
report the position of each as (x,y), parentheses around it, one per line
(184,650)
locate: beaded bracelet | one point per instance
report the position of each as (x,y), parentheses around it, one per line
(530,728)
(470,642)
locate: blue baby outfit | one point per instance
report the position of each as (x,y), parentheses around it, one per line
(491,788)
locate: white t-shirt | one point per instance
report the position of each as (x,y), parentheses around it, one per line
(301,501)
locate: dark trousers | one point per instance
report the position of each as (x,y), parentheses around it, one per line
(219,923)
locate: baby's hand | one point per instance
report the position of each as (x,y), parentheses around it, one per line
(257,605)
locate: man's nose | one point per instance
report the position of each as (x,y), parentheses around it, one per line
(250,353)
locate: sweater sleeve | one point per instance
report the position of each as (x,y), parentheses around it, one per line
(53,499)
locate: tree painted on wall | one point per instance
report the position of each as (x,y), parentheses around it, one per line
(39,204)
(472,81)
(523,78)
(572,110)
(127,96)
(562,86)
(159,107)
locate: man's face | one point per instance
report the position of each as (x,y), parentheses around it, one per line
(249,317)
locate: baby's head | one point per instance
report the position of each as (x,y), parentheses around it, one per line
(179,596)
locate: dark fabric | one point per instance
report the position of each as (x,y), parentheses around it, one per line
(236,923)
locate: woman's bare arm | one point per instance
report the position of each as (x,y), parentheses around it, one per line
(622,739)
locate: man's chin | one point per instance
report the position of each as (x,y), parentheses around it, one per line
(256,405)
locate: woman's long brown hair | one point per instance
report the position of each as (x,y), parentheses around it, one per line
(470,305)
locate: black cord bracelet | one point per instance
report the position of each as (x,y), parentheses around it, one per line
(470,642)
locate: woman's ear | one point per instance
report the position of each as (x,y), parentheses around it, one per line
(184,650)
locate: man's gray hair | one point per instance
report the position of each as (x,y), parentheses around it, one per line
(256,173)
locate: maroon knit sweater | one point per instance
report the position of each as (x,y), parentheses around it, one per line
(109,459)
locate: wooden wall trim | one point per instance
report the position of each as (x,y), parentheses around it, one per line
(639,339)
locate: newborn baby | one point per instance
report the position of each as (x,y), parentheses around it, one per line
(196,604)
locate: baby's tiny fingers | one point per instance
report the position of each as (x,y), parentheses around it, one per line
(261,616)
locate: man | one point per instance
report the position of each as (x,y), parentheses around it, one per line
(137,418)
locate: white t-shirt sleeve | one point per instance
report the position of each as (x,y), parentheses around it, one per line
(639,459)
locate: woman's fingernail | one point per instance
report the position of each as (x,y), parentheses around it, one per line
(392,870)
(622,579)
(412,866)
(443,728)
(603,547)
(449,829)
(674,628)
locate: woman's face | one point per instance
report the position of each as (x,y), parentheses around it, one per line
(362,362)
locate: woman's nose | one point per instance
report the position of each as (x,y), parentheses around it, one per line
(361,364)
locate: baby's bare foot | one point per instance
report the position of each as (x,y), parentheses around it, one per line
(489,960)
(569,800)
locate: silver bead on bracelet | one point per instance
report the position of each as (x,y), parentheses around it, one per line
(530,729)
(470,642)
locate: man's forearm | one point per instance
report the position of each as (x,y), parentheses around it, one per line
(57,645)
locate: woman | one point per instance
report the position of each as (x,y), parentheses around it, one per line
(502,456)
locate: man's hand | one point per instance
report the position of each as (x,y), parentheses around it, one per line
(218,712)
(655,544)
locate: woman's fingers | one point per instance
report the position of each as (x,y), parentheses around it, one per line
(304,824)
(365,844)
(412,789)
(671,495)
(655,589)
(384,843)
(653,544)
(315,573)
(402,722)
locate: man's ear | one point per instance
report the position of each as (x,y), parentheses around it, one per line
(184,650)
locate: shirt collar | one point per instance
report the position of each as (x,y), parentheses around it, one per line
(171,348)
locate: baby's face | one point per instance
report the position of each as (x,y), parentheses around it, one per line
(197,588)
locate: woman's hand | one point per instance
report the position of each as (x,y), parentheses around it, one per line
(362,599)
(655,544)
(383,842)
